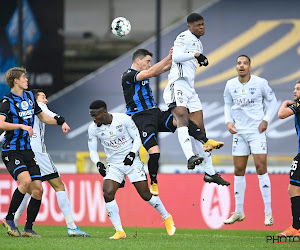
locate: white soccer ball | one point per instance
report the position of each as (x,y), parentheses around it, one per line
(120,26)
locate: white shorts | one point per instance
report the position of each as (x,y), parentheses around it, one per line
(181,93)
(118,171)
(46,164)
(246,144)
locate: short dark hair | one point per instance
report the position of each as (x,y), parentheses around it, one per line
(141,53)
(98,104)
(36,92)
(245,56)
(194,17)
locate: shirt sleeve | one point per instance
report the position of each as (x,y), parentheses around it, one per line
(93,146)
(180,45)
(134,133)
(37,108)
(130,77)
(228,105)
(46,110)
(269,100)
(4,107)
(295,107)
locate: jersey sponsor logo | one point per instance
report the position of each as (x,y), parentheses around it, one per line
(245,102)
(118,142)
(26,114)
(17,162)
(24,105)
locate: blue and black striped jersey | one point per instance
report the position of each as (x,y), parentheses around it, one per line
(138,94)
(19,110)
(296,108)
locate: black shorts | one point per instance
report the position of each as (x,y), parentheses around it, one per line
(295,171)
(17,162)
(152,121)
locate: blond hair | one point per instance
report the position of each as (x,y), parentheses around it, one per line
(13,73)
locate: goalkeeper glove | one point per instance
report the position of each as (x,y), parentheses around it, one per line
(101,168)
(202,60)
(129,159)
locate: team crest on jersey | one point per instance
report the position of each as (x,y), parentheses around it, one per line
(17,162)
(24,105)
(119,127)
(144,134)
(30,103)
(252,90)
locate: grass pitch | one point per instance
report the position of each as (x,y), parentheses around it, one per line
(55,237)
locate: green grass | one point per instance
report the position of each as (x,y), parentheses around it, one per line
(55,237)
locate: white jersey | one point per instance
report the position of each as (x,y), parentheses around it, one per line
(246,105)
(118,138)
(37,140)
(184,64)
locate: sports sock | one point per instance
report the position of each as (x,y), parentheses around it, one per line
(265,189)
(157,204)
(21,208)
(153,166)
(185,142)
(196,132)
(16,200)
(207,163)
(112,210)
(32,212)
(65,207)
(296,211)
(239,193)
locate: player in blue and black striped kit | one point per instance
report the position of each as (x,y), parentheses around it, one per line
(17,110)
(148,117)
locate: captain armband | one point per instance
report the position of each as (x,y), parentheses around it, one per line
(60,120)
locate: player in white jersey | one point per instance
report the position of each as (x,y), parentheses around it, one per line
(249,105)
(48,170)
(120,138)
(180,94)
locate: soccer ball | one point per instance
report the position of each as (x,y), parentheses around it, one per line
(120,26)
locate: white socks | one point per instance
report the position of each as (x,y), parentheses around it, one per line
(185,142)
(239,193)
(21,209)
(65,207)
(157,204)
(207,163)
(63,203)
(265,189)
(112,210)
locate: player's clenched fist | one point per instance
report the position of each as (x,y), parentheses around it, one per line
(202,60)
(129,159)
(101,168)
